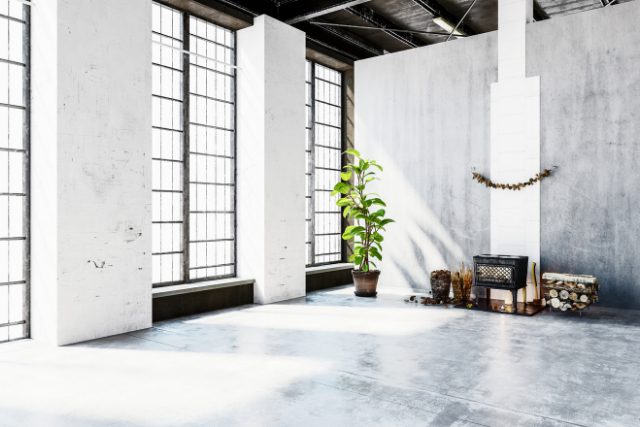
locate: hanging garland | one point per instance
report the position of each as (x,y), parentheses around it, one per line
(516,187)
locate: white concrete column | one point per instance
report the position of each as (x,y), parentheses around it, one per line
(90,169)
(515,142)
(513,16)
(271,159)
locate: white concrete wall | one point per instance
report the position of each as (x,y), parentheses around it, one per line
(44,183)
(271,159)
(91,260)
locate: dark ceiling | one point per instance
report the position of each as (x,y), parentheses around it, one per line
(348,30)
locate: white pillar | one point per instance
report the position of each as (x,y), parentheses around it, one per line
(515,141)
(271,159)
(90,169)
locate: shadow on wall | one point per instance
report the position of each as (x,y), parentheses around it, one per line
(417,243)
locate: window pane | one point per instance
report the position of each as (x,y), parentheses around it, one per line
(13,172)
(208,171)
(212,151)
(167,139)
(324,161)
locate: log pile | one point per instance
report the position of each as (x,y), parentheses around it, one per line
(569,292)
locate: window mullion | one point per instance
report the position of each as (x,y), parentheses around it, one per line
(327,141)
(344,245)
(26,224)
(186,170)
(312,155)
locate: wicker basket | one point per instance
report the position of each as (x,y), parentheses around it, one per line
(441,285)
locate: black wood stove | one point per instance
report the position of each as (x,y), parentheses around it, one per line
(501,272)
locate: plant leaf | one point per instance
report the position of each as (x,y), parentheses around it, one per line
(342,187)
(352,152)
(345,176)
(353,229)
(378,201)
(375,253)
(374,164)
(386,221)
(345,201)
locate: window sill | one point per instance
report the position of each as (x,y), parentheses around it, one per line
(189,288)
(329,268)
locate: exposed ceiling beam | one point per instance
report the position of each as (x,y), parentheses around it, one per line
(459,23)
(293,13)
(328,56)
(254,7)
(342,43)
(346,44)
(215,11)
(354,40)
(368,27)
(539,13)
(373,18)
(436,9)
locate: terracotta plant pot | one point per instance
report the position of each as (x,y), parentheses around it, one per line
(366,282)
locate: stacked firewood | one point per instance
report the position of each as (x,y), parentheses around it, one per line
(568,291)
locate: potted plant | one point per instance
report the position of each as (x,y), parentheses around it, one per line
(366,210)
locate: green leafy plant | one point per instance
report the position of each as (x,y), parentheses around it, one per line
(364,208)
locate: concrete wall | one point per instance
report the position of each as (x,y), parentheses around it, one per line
(590,221)
(425,113)
(271,159)
(91,262)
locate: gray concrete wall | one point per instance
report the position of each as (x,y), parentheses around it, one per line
(424,114)
(589,66)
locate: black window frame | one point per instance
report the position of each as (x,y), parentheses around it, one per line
(187,183)
(311,105)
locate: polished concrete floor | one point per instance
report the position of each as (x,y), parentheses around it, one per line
(336,360)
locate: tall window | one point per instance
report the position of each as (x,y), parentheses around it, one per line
(324,161)
(193,148)
(14,172)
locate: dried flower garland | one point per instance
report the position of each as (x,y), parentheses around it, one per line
(516,187)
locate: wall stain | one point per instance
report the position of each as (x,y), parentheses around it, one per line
(99,264)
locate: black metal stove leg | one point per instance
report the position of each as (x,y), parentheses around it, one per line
(514,292)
